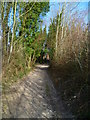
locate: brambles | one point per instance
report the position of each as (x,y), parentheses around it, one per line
(68,44)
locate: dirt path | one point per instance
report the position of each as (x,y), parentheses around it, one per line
(34,97)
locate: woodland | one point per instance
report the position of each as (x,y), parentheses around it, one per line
(25,41)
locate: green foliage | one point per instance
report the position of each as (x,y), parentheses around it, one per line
(31,28)
(28,43)
(46,50)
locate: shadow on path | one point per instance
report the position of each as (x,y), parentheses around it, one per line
(34,97)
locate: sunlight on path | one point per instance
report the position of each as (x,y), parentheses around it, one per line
(34,97)
(42,66)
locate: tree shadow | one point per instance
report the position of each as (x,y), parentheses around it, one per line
(29,99)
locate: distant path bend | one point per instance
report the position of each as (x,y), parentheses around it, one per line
(34,97)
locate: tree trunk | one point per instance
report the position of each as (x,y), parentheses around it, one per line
(56,45)
(14,21)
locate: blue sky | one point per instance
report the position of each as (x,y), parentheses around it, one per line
(81,9)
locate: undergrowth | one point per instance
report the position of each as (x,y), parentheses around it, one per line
(14,70)
(72,83)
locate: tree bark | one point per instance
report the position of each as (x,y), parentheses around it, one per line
(14,21)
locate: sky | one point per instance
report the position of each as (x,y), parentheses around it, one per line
(81,9)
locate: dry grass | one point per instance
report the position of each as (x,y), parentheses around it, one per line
(70,69)
(14,70)
(71,82)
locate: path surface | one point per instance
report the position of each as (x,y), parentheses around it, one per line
(34,97)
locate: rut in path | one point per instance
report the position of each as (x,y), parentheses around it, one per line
(34,97)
